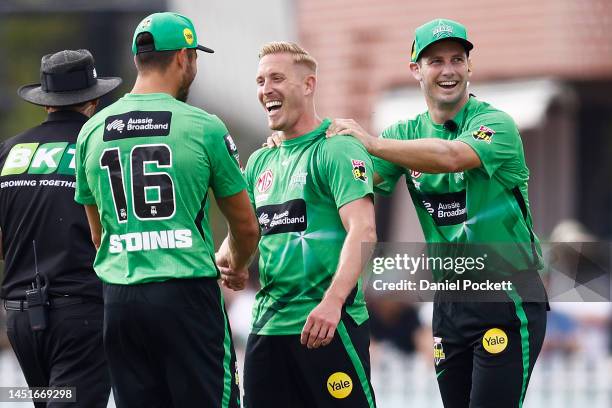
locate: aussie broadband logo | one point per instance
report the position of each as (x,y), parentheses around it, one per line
(116,124)
(137,124)
(36,158)
(289,216)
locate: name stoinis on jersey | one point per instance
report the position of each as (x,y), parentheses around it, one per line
(36,158)
(150,240)
(137,124)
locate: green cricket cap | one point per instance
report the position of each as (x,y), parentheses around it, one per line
(437,30)
(170,31)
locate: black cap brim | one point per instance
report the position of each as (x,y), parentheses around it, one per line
(205,49)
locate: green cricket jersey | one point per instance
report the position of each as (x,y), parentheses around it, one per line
(297,191)
(487,205)
(147,161)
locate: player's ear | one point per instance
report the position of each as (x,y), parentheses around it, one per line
(415,69)
(469,63)
(182,57)
(310,83)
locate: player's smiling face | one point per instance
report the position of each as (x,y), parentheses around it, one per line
(443,71)
(280,90)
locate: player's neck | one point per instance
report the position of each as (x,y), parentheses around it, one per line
(440,113)
(154,83)
(306,123)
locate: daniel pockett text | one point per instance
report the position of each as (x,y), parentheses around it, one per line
(408,273)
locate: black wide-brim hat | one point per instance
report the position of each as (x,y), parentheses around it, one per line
(67,78)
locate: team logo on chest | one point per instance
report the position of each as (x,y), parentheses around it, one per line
(264,182)
(298,179)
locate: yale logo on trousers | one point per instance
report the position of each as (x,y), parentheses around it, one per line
(36,158)
(339,385)
(495,341)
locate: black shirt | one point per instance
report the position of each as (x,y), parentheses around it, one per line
(37,185)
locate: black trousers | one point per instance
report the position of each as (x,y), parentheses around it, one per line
(484,352)
(69,353)
(280,372)
(169,344)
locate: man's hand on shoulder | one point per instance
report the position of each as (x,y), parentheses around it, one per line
(351,128)
(274,140)
(321,323)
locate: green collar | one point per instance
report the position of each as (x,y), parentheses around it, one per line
(147,96)
(459,117)
(318,131)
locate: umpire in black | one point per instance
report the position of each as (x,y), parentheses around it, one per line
(51,293)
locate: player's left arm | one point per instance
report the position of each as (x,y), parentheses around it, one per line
(83,194)
(358,220)
(428,155)
(93,218)
(1,247)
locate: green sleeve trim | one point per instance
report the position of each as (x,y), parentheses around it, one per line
(84,200)
(350,349)
(231,192)
(483,164)
(524,331)
(353,197)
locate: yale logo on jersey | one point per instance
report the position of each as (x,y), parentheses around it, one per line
(36,158)
(495,341)
(339,385)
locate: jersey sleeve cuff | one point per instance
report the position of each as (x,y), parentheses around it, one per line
(483,163)
(353,197)
(228,192)
(84,200)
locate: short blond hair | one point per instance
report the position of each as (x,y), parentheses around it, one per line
(300,55)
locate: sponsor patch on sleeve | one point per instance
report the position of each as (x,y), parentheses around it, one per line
(484,134)
(359,170)
(232,148)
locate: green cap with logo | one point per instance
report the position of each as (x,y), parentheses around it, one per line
(170,31)
(436,30)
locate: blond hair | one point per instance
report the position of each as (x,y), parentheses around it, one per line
(299,55)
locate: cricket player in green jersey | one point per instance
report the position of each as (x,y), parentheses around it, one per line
(145,165)
(309,344)
(466,173)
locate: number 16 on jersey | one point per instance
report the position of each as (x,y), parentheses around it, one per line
(152,191)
